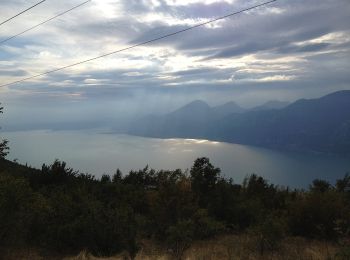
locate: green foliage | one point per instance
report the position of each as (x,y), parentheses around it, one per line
(4,149)
(180,236)
(206,226)
(320,186)
(58,174)
(59,209)
(269,233)
(204,177)
(316,215)
(106,179)
(343,185)
(14,202)
(21,210)
(225,202)
(141,178)
(117,177)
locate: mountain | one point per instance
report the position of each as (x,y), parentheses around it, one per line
(318,125)
(321,125)
(188,121)
(228,108)
(272,104)
(197,107)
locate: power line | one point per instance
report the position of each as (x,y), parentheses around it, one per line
(139,44)
(22,12)
(46,21)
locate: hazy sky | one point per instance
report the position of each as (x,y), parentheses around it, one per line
(286,50)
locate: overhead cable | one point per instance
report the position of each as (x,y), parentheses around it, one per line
(46,21)
(139,44)
(26,10)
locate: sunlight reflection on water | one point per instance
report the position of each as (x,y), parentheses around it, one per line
(99,153)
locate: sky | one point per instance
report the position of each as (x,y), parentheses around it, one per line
(284,51)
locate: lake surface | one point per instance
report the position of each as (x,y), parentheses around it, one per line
(97,153)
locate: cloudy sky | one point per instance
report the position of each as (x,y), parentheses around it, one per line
(287,50)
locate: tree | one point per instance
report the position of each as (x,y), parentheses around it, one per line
(4,150)
(320,186)
(204,177)
(105,179)
(268,233)
(343,185)
(117,177)
(180,236)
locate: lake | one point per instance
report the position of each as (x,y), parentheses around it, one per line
(97,153)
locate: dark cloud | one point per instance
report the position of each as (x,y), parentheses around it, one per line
(247,34)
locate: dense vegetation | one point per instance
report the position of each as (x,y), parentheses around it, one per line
(61,210)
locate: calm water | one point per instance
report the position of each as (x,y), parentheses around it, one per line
(99,153)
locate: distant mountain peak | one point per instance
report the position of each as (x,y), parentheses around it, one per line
(229,104)
(197,102)
(228,108)
(341,93)
(272,104)
(334,99)
(321,125)
(194,108)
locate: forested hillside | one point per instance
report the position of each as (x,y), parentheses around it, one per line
(61,210)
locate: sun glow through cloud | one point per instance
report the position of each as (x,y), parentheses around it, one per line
(273,44)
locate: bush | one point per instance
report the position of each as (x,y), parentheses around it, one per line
(269,233)
(180,237)
(20,211)
(59,209)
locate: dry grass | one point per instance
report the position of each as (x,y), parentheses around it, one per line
(231,247)
(243,247)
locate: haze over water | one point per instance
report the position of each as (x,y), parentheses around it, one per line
(97,153)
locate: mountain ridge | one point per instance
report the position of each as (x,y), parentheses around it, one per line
(272,104)
(321,125)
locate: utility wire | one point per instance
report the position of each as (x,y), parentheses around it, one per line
(139,44)
(22,12)
(46,21)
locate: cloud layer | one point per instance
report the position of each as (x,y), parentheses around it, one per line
(287,50)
